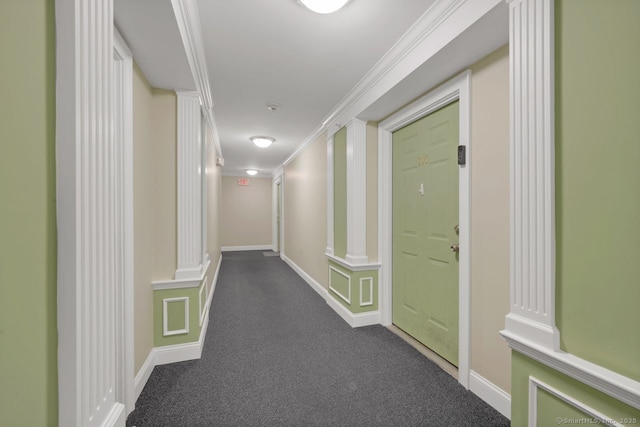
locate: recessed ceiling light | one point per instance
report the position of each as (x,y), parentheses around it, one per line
(251,172)
(262,141)
(324,6)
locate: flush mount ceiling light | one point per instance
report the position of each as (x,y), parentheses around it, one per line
(251,172)
(262,141)
(323,6)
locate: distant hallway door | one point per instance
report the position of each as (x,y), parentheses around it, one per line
(425,230)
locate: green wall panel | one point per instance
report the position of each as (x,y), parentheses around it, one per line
(176,311)
(176,316)
(598,176)
(340,193)
(363,286)
(523,368)
(28,241)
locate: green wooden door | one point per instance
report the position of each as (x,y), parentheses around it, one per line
(425,214)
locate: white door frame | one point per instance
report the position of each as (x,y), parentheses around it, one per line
(457,88)
(123,112)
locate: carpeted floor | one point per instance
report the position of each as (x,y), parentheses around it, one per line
(277,355)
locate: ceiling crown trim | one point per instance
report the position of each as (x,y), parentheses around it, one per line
(188,20)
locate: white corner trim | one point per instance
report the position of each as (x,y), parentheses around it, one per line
(499,399)
(160,285)
(535,384)
(368,301)
(202,308)
(615,385)
(458,88)
(165,317)
(346,298)
(353,267)
(330,197)
(321,290)
(247,248)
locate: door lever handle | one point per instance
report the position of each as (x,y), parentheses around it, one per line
(455,248)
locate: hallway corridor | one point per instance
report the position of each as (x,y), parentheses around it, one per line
(277,355)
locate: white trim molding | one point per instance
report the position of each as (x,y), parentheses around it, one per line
(530,327)
(90,213)
(346,298)
(597,417)
(353,267)
(457,88)
(189,186)
(123,131)
(354,320)
(532,167)
(330,196)
(203,307)
(160,285)
(357,192)
(188,20)
(247,248)
(369,300)
(499,399)
(166,332)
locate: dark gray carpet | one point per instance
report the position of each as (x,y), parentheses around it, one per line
(277,355)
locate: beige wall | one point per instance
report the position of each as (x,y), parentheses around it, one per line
(214,195)
(490,356)
(154,202)
(305,210)
(246,212)
(164,134)
(372,191)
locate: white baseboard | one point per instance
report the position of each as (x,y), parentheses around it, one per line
(144,373)
(247,248)
(321,290)
(176,353)
(499,399)
(116,417)
(354,320)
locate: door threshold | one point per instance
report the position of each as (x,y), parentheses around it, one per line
(442,363)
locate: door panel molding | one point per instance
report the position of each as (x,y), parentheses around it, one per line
(458,89)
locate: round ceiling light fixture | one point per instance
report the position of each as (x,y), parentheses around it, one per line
(251,172)
(262,141)
(324,6)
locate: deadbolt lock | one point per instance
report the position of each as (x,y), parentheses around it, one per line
(456,228)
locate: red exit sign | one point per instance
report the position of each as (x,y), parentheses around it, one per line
(243,181)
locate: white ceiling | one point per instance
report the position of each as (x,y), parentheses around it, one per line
(261,51)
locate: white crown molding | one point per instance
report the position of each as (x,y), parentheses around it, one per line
(188,20)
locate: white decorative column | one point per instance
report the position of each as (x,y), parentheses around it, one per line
(531,44)
(330,181)
(90,198)
(357,192)
(206,141)
(189,186)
